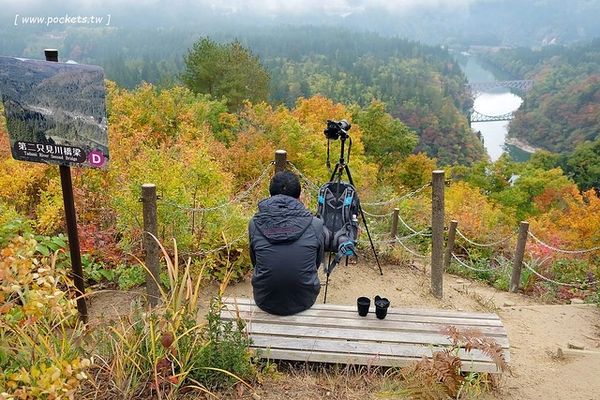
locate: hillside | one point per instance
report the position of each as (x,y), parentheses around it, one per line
(562,110)
(211,167)
(421,85)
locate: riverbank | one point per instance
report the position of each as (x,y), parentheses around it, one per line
(498,101)
(521,145)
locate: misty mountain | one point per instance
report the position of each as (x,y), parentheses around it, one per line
(451,22)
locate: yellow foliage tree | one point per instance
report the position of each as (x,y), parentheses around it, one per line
(479,217)
(573,220)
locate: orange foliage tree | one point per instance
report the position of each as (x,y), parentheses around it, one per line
(571,219)
(201,155)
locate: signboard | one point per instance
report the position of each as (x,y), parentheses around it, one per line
(55,112)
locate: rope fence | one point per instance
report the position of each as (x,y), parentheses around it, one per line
(313,186)
(436,235)
(398,199)
(465,265)
(412,235)
(492,244)
(558,250)
(387,215)
(422,232)
(236,199)
(216,250)
(545,278)
(398,239)
(524,233)
(409,250)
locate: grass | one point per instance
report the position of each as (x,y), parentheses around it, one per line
(299,380)
(164,352)
(440,377)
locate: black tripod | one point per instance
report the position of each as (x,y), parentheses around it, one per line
(336,176)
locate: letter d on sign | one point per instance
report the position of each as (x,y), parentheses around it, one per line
(96,158)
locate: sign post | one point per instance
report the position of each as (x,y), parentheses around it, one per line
(71,216)
(56,114)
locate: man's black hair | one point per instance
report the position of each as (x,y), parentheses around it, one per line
(285,182)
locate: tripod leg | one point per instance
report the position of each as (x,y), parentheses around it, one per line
(327,280)
(326,286)
(370,239)
(336,170)
(347,169)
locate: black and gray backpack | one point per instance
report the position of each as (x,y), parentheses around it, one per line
(339,207)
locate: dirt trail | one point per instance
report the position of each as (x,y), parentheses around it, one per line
(535,332)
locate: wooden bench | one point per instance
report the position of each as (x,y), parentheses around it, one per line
(337,334)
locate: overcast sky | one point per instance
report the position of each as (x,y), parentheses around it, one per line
(261,7)
(330,6)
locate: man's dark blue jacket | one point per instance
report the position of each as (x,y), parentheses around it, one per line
(286,249)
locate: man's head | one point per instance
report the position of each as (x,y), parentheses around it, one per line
(285,182)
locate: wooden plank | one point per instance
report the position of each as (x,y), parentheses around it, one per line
(373,323)
(392,310)
(357,347)
(365,335)
(390,317)
(362,359)
(344,346)
(336,334)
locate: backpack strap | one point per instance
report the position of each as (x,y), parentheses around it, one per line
(348,200)
(321,201)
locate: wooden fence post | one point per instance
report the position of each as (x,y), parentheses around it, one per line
(151,249)
(515,279)
(450,243)
(280,160)
(437,233)
(394,230)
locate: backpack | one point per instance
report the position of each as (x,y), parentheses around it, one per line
(338,206)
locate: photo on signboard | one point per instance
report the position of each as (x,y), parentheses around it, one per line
(55,112)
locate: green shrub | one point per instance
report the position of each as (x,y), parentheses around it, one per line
(96,272)
(226,349)
(573,271)
(130,277)
(502,282)
(164,349)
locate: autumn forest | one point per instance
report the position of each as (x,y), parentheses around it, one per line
(201,117)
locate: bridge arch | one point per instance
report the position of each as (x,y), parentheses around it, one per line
(523,85)
(476,116)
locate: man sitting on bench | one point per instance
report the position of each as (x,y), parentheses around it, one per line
(286,249)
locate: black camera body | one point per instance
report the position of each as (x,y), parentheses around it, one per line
(337,129)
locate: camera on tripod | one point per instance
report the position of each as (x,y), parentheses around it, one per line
(338,205)
(337,129)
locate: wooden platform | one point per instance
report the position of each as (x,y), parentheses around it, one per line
(337,334)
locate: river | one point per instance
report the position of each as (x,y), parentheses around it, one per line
(493,102)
